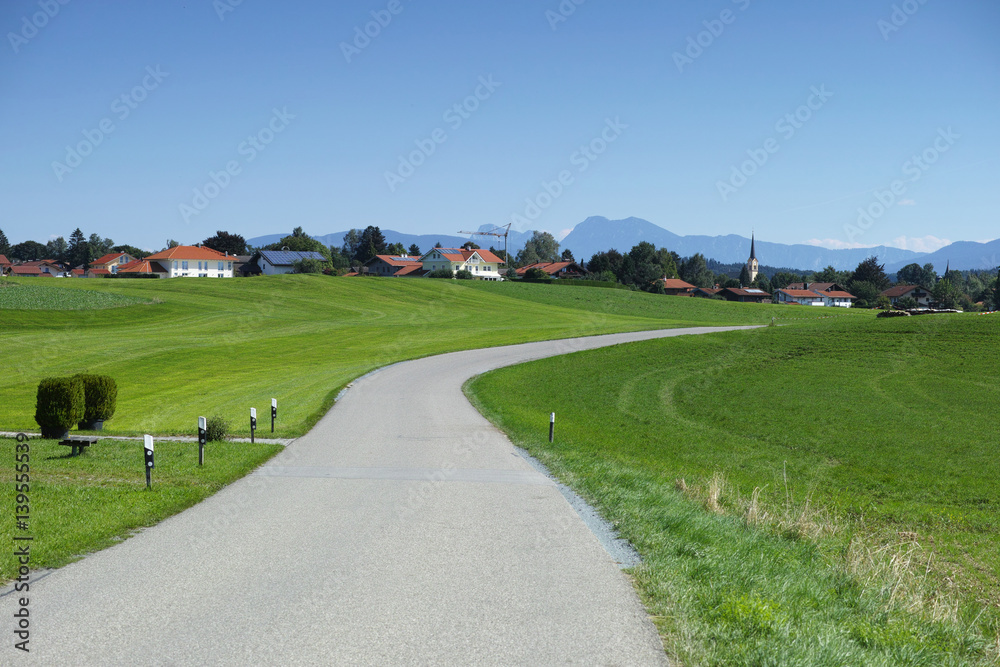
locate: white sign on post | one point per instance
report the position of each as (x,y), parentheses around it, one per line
(202,424)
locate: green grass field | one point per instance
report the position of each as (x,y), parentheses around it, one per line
(873,444)
(199,348)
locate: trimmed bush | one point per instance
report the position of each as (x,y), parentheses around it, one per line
(59,406)
(100,397)
(216,428)
(463,275)
(442,273)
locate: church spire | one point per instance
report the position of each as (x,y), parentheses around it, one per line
(753,253)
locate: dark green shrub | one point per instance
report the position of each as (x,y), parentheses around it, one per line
(100,397)
(216,428)
(441,273)
(536,276)
(60,404)
(463,275)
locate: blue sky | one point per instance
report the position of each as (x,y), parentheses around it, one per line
(150,120)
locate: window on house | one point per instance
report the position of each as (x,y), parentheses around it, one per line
(220,266)
(184,265)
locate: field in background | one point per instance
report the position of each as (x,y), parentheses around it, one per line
(872,447)
(200,347)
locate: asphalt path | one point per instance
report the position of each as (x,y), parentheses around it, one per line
(404,529)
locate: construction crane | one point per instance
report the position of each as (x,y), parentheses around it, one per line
(499,232)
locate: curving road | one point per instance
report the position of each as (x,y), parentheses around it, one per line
(403,529)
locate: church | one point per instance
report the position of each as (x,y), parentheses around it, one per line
(753,268)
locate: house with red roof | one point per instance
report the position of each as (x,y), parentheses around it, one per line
(705,292)
(5,265)
(193,261)
(922,296)
(143,267)
(555,269)
(749,295)
(395,266)
(677,287)
(482,264)
(802,297)
(112,261)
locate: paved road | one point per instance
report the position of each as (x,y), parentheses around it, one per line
(403,529)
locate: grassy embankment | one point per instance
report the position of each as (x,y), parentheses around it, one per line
(183,348)
(820,494)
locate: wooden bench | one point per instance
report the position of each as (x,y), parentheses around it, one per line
(78,444)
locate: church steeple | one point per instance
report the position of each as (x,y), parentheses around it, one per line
(752,265)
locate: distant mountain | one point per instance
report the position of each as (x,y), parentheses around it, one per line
(963,256)
(597,233)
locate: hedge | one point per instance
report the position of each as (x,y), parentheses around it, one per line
(100,397)
(60,403)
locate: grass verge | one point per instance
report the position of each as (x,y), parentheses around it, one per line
(822,494)
(81,504)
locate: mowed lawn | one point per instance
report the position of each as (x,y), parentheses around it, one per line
(202,348)
(875,448)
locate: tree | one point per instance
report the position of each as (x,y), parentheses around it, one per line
(828,275)
(996,292)
(762,283)
(414,250)
(567,255)
(866,292)
(172,244)
(4,244)
(338,260)
(307,266)
(27,251)
(438,245)
(911,274)
(395,249)
(870,271)
(783,279)
(131,250)
(695,271)
(372,243)
(234,244)
(668,262)
(99,247)
(463,274)
(469,245)
(298,233)
(78,253)
(300,244)
(352,242)
(57,248)
(745,276)
(535,275)
(441,273)
(541,247)
(945,294)
(605,261)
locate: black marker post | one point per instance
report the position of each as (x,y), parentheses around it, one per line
(552,427)
(148,446)
(274,412)
(253,423)
(202,439)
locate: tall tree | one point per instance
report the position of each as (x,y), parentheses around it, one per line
(695,271)
(945,294)
(870,271)
(172,244)
(745,277)
(234,244)
(4,244)
(470,245)
(600,262)
(131,250)
(829,275)
(541,247)
(57,249)
(300,244)
(78,253)
(783,279)
(567,255)
(352,242)
(996,292)
(298,233)
(668,261)
(414,250)
(98,247)
(395,249)
(372,243)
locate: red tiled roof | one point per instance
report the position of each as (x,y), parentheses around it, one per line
(676,283)
(78,272)
(107,259)
(900,290)
(189,252)
(840,295)
(407,270)
(461,255)
(801,293)
(24,270)
(819,287)
(99,272)
(4,260)
(394,260)
(141,266)
(709,290)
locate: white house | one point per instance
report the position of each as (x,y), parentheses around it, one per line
(922,296)
(838,299)
(482,264)
(800,296)
(193,261)
(275,262)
